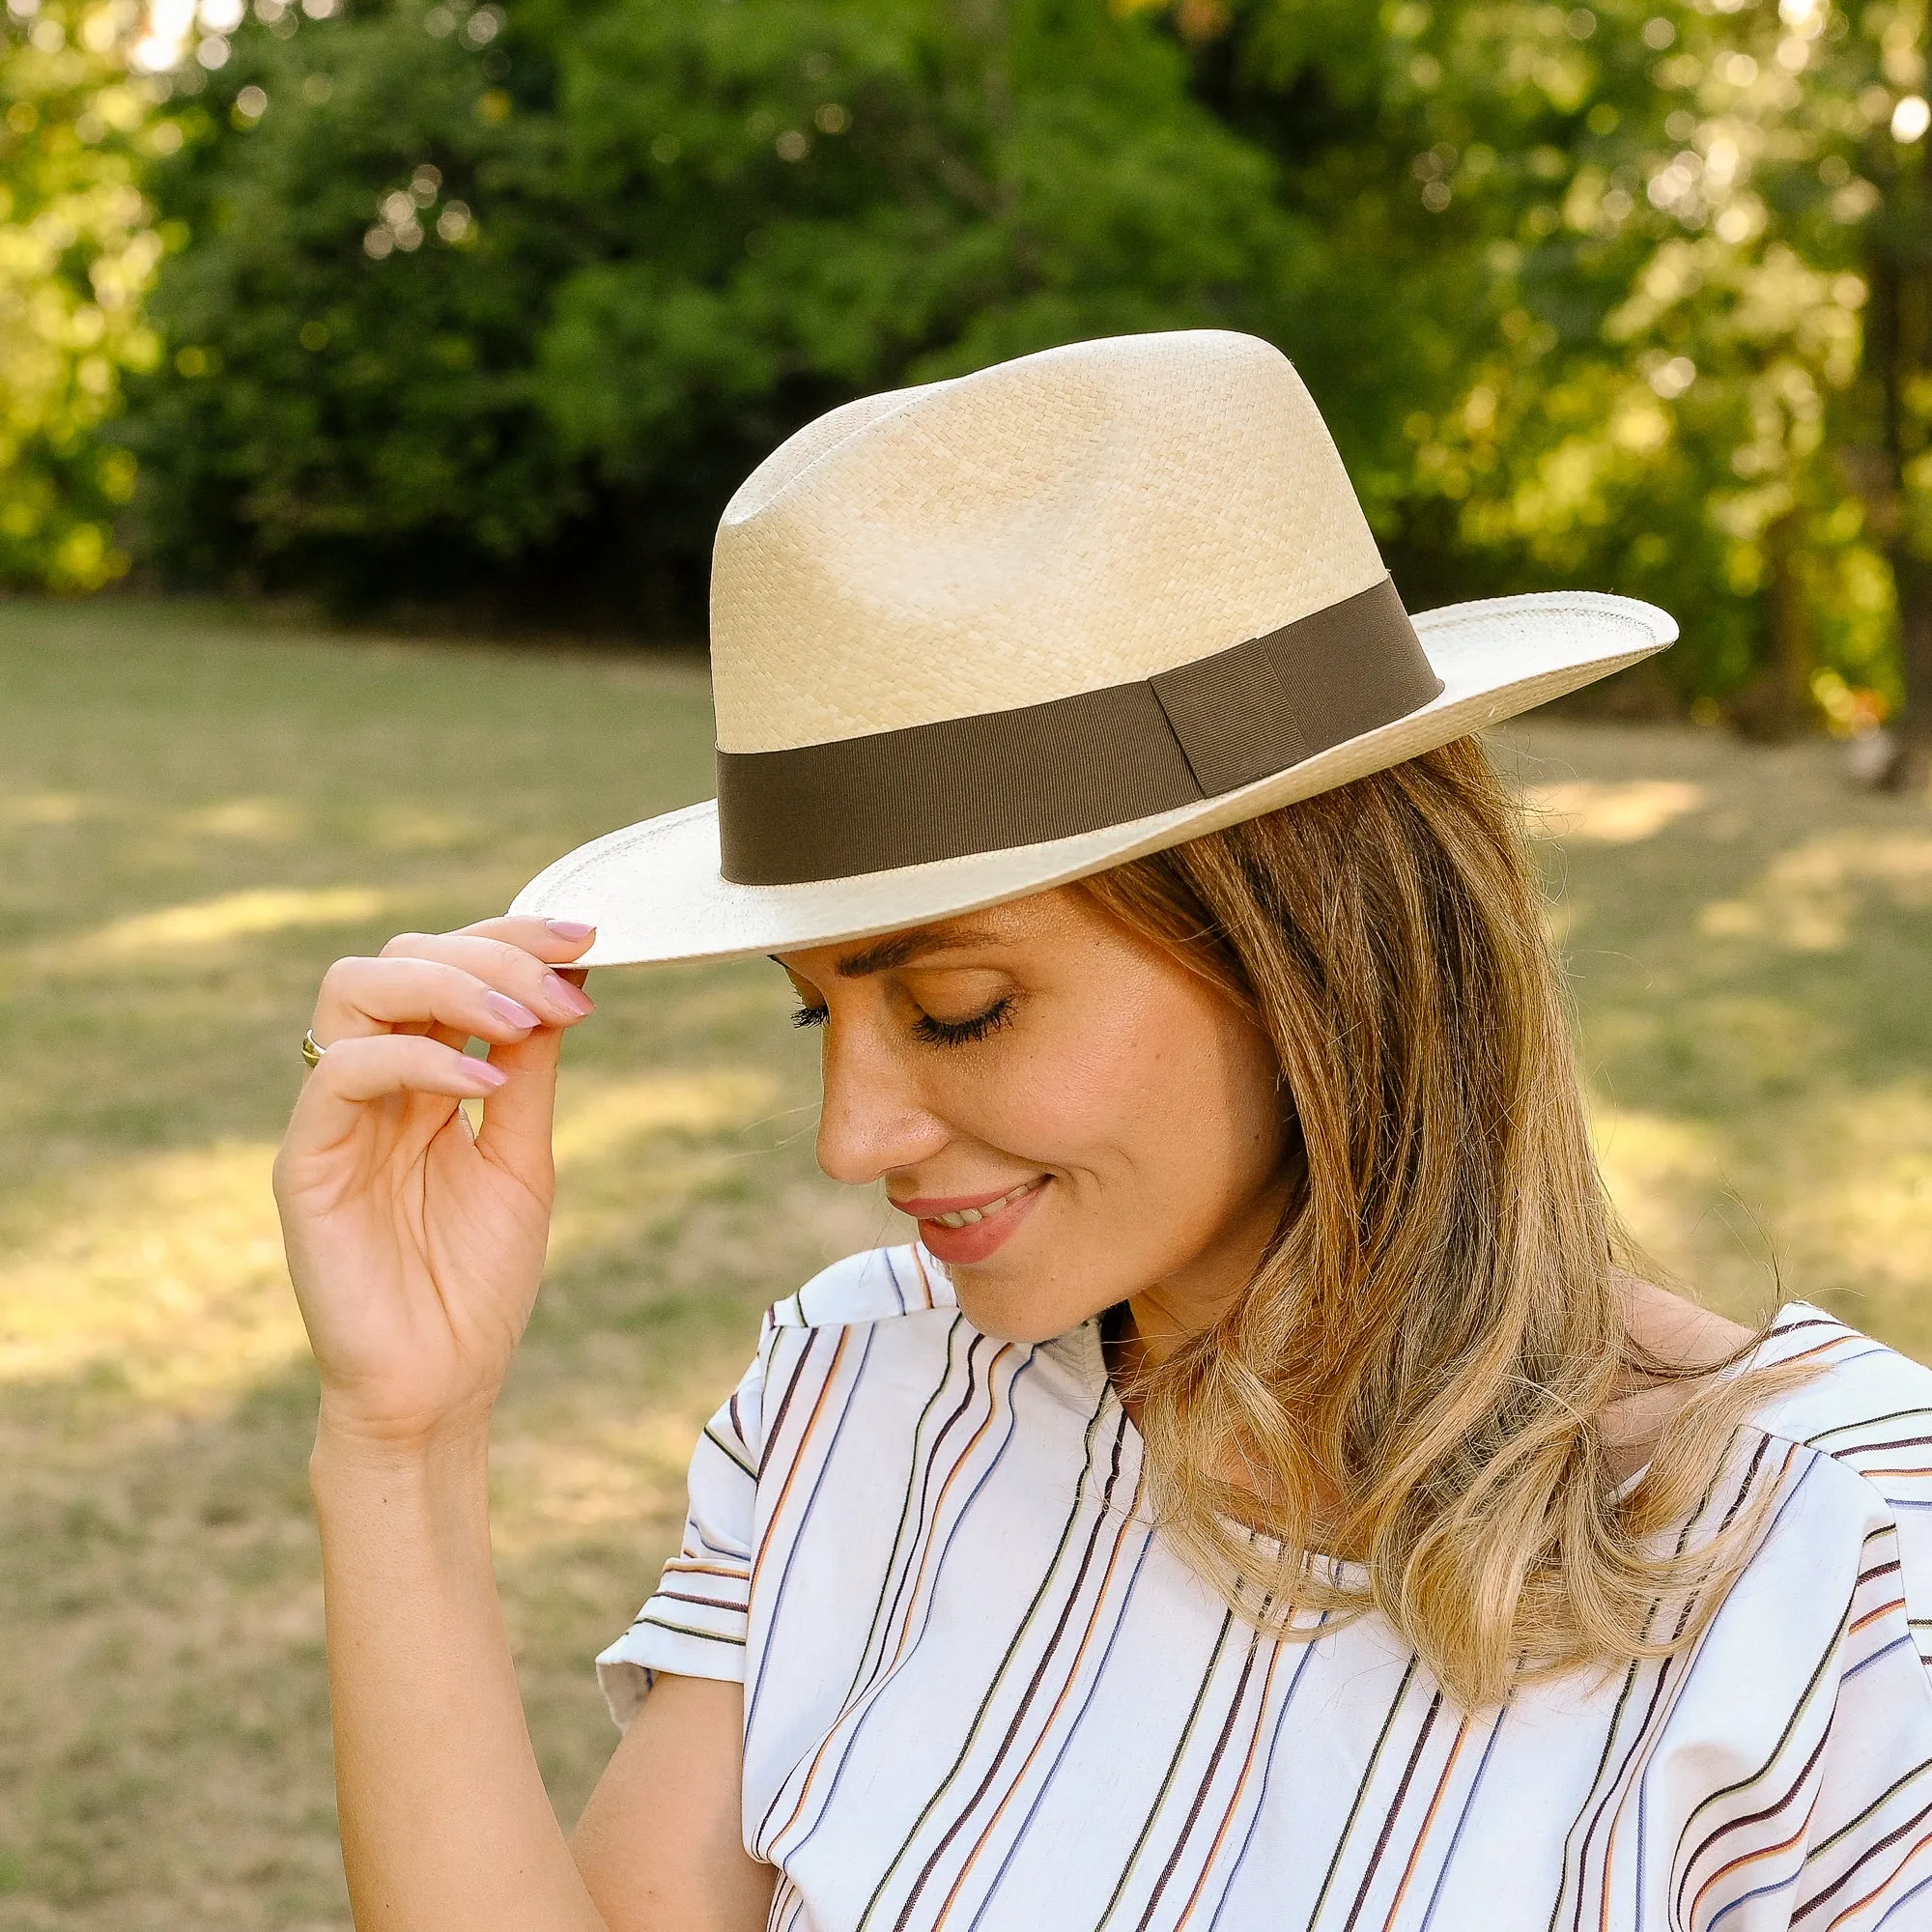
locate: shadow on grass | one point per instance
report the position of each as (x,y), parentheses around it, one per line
(196,817)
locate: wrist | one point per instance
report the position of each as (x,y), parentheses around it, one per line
(349,1455)
(384,1436)
(403,1517)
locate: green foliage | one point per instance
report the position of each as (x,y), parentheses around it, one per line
(681,230)
(348,400)
(1662,215)
(482,304)
(78,251)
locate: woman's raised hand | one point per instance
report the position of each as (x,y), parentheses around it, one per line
(416,1247)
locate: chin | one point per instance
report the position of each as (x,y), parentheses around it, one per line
(1012,1309)
(1013,1327)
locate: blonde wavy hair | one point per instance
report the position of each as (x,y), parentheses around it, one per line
(1415,1377)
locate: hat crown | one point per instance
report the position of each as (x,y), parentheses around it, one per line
(1061,523)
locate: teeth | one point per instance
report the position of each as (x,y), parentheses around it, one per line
(966,1217)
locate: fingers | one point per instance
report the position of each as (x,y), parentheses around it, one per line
(396,1024)
(359,997)
(456,984)
(360,1071)
(352,1072)
(503,965)
(555,941)
(517,1123)
(516,1130)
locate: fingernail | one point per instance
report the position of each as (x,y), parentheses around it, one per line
(485,1074)
(570,928)
(573,1000)
(514,1011)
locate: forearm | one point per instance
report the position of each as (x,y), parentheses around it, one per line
(446,1824)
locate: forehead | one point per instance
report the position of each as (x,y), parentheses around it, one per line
(941,943)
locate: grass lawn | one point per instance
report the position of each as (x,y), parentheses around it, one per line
(198,811)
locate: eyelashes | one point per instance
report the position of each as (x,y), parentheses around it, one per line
(932,1032)
(962,1033)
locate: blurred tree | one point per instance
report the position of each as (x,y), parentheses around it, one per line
(1661,217)
(1632,294)
(470,296)
(78,251)
(1864,140)
(1476,134)
(347,403)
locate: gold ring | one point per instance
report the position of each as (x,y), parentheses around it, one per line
(312,1048)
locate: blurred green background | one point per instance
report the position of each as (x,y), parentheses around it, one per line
(449,310)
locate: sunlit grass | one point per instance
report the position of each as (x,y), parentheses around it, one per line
(1751,942)
(164,1270)
(1610,811)
(1811,898)
(194,818)
(196,813)
(233,916)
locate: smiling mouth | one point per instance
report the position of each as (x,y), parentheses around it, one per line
(967,1217)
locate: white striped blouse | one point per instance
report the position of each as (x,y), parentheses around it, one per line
(981,1693)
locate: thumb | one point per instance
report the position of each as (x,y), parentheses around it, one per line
(517,1119)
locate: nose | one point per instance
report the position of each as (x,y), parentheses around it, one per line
(873,1120)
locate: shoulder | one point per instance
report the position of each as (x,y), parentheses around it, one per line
(1866,1407)
(1859,1434)
(1801,1736)
(880,1284)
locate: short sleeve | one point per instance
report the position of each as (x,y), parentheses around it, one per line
(694,1623)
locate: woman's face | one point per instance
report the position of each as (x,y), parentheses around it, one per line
(1073,1118)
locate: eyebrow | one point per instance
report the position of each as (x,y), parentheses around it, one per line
(903,947)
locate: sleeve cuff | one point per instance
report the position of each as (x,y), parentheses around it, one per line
(627,1670)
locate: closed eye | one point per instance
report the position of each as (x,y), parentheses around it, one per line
(932,1032)
(961,1032)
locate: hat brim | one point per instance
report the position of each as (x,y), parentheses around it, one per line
(655,893)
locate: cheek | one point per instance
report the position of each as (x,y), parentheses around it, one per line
(1172,1093)
(1077,1096)
(1203,1122)
(1162,1118)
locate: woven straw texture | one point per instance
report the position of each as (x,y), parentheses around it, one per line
(1071,520)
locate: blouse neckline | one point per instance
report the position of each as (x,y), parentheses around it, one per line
(1090,1352)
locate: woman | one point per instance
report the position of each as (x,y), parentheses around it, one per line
(1259,1498)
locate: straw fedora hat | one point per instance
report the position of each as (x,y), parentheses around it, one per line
(981,637)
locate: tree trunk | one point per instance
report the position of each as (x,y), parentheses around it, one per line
(1902,344)
(1911,765)
(1778,703)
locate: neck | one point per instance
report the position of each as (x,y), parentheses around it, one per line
(1170,1313)
(1153,1324)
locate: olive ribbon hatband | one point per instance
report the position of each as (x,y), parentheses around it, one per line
(1070,765)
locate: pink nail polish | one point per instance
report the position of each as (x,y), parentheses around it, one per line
(485,1074)
(570,928)
(571,999)
(513,1011)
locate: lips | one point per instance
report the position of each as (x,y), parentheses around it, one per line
(967,1227)
(968,1210)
